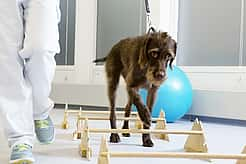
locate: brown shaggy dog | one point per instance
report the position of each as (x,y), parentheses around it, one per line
(142,61)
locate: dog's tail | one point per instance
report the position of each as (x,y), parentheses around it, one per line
(100,60)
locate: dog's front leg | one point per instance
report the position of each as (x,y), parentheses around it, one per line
(152,92)
(127,114)
(143,110)
(150,102)
(144,114)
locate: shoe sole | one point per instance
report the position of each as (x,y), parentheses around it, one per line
(22,161)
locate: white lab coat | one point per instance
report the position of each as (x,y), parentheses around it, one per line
(28,42)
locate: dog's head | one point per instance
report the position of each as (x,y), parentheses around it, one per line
(158,52)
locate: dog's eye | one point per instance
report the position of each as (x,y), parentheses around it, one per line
(169,56)
(154,54)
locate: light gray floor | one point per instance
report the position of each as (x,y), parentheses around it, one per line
(220,139)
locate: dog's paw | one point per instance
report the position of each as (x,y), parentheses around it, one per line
(147,142)
(114,138)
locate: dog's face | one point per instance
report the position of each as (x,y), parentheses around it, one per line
(158,53)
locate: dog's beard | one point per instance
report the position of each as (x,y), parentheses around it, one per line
(152,80)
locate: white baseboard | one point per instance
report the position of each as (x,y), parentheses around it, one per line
(91,95)
(219,104)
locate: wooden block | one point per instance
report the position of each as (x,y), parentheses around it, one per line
(65,124)
(85,149)
(138,123)
(161,125)
(77,135)
(104,156)
(242,161)
(196,143)
(79,126)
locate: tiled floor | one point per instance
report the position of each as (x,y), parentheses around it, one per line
(220,139)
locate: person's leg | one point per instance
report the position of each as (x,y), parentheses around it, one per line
(15,90)
(41,43)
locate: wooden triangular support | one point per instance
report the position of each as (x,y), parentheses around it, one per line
(104,156)
(85,149)
(161,124)
(65,119)
(138,123)
(242,161)
(78,131)
(194,142)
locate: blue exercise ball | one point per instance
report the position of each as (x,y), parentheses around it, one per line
(174,96)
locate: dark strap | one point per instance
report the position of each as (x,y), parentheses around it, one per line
(147,6)
(151,27)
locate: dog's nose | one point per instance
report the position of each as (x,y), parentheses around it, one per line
(159,75)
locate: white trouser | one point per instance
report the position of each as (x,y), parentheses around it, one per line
(28,43)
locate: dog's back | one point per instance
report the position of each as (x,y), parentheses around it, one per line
(124,55)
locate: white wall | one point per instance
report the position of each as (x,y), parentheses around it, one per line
(84,83)
(164,15)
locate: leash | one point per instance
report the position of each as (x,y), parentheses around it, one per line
(151,27)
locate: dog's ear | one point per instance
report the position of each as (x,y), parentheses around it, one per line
(143,56)
(164,35)
(172,48)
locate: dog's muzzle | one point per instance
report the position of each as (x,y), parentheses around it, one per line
(159,75)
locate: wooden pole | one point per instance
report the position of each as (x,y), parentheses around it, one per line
(118,118)
(174,155)
(187,132)
(96,112)
(105,154)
